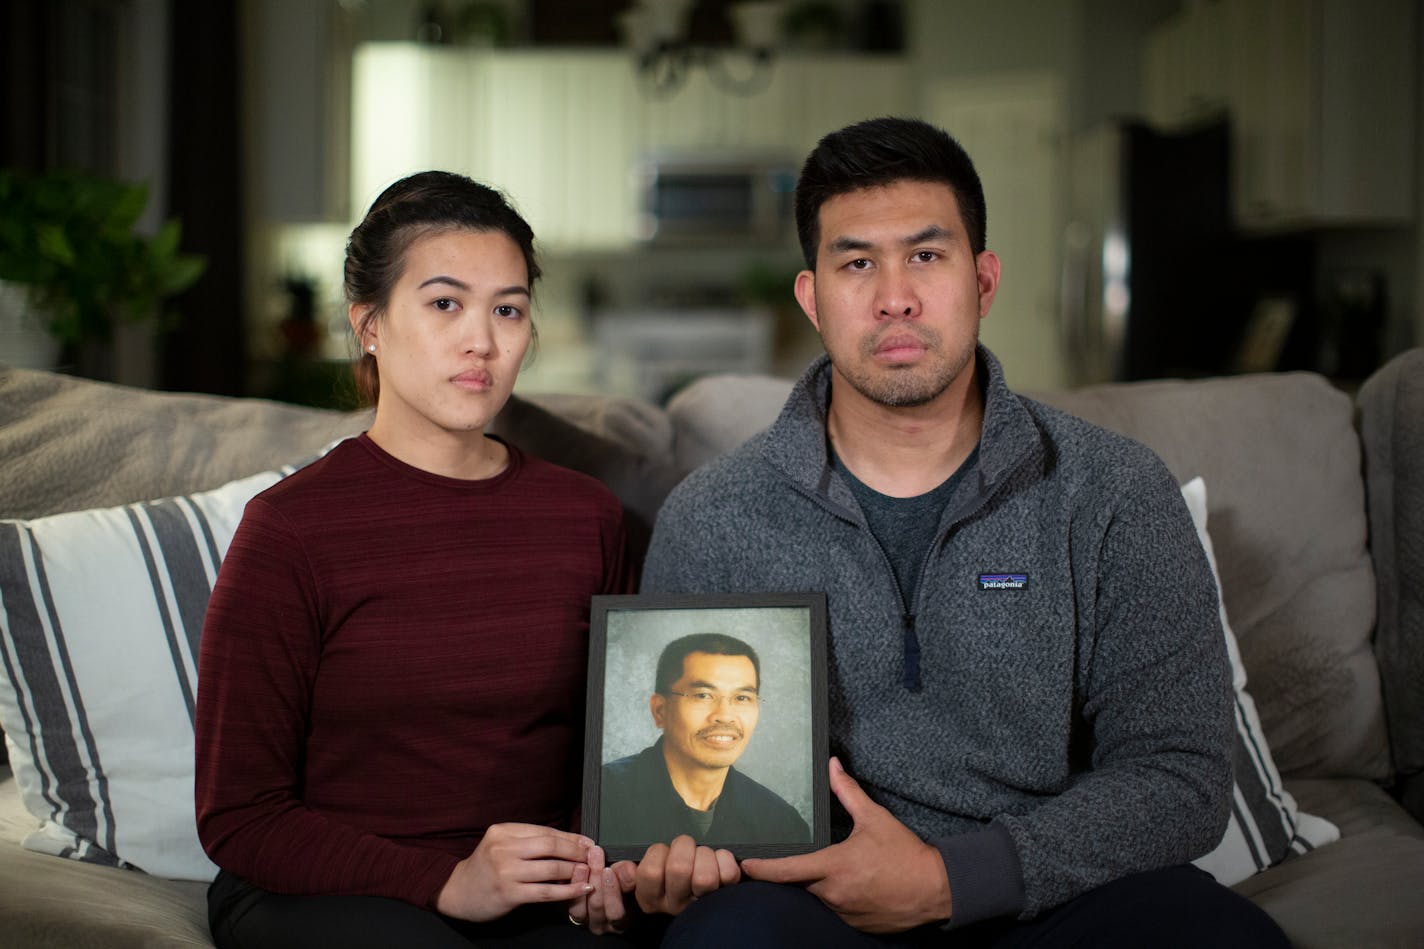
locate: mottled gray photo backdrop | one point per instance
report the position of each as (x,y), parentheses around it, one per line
(779,753)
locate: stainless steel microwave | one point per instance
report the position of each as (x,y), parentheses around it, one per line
(690,199)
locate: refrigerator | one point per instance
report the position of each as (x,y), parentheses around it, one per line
(1156,283)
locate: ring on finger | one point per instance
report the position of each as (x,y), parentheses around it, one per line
(576,922)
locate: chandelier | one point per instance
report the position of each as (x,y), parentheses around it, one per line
(657,32)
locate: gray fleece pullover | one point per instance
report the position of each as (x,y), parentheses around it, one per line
(1054,710)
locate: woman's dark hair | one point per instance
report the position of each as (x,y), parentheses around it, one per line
(416,206)
(881,152)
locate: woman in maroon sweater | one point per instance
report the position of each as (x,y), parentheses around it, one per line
(391,681)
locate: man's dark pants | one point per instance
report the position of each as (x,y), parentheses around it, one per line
(1177,906)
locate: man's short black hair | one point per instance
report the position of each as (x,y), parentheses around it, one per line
(880,152)
(714,644)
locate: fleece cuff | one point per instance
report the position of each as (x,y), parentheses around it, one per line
(985,878)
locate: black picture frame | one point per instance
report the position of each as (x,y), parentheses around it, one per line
(787,752)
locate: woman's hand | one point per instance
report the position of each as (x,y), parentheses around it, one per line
(602,910)
(517,864)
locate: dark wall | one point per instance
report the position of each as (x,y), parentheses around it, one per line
(57,106)
(207,351)
(22,109)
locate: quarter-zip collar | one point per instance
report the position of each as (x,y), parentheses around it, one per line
(797,445)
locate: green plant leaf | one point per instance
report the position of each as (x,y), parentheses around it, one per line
(183,274)
(164,246)
(54,244)
(126,204)
(70,237)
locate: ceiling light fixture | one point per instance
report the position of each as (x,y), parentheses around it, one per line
(657,32)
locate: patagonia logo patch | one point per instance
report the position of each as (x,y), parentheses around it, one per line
(1003,581)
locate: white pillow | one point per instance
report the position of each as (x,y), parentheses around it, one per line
(1266,825)
(100,616)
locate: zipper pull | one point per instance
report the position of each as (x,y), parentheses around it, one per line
(912,653)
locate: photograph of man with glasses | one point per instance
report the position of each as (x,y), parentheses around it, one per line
(706,702)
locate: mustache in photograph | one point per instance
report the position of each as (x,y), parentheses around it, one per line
(734,731)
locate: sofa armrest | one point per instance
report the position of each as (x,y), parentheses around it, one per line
(1391,418)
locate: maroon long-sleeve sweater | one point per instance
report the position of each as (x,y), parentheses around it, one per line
(391,662)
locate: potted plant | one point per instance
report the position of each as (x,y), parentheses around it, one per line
(68,238)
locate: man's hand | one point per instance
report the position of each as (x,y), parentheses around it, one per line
(672,875)
(515,864)
(880,879)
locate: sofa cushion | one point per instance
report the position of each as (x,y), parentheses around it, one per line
(1356,892)
(623,442)
(1282,457)
(1265,826)
(1354,805)
(1391,404)
(61,904)
(88,444)
(100,616)
(715,414)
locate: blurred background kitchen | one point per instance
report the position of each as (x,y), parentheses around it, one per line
(1175,188)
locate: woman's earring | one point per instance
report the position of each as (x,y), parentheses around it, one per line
(372,347)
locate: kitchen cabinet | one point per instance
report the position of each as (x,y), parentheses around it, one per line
(410,112)
(563,132)
(550,130)
(1321,96)
(600,205)
(1186,67)
(553,131)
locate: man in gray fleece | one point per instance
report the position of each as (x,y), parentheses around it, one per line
(1028,677)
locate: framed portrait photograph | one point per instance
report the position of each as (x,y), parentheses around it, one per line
(707,716)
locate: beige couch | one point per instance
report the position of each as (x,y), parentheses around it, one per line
(1316,514)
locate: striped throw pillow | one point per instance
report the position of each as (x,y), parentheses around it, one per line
(1266,826)
(100,616)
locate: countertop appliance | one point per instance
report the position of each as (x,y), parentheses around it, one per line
(688,199)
